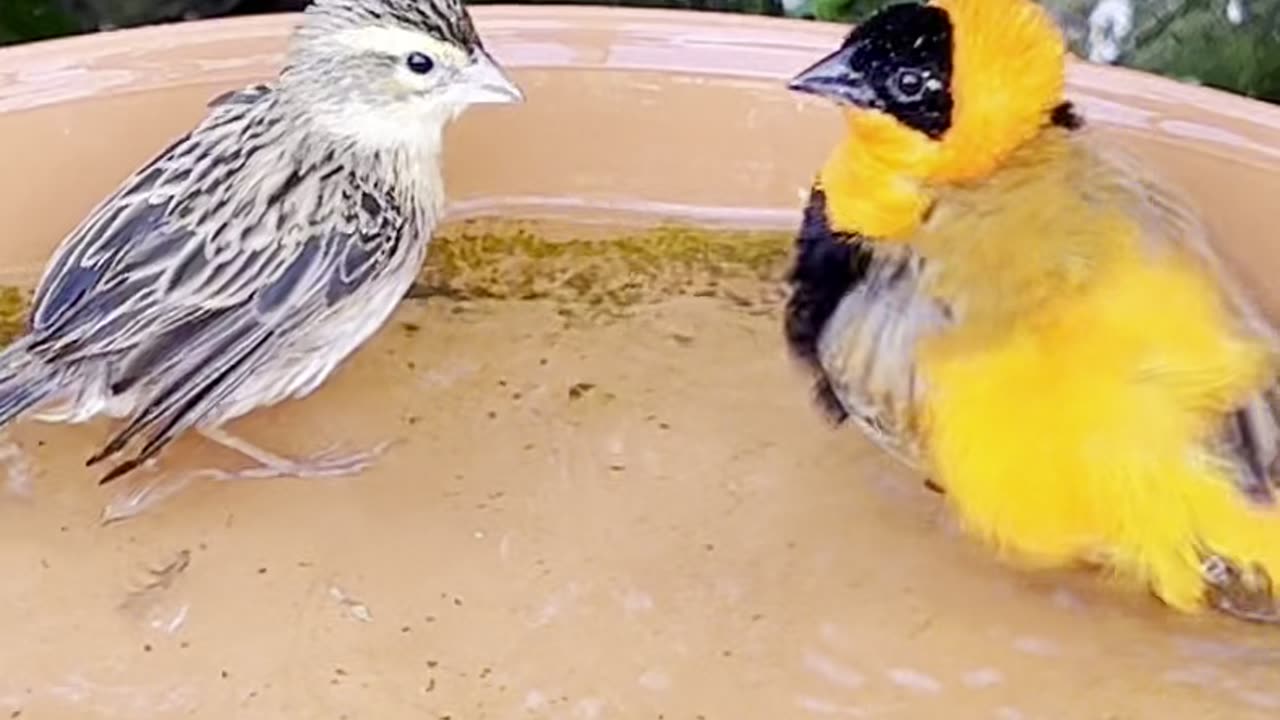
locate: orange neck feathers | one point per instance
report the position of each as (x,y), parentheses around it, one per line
(874,178)
(1008,59)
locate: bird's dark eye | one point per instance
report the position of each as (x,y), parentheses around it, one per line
(908,85)
(419,63)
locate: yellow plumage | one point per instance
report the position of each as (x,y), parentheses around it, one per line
(1068,416)
(1081,391)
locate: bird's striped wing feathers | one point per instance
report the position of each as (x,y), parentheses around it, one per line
(188,280)
(147,229)
(197,363)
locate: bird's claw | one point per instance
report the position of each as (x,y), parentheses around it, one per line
(142,495)
(1245,594)
(330,462)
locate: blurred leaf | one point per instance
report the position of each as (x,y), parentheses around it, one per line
(1189,40)
(33,20)
(1201,45)
(850,11)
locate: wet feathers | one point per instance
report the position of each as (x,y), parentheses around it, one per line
(241,265)
(1025,315)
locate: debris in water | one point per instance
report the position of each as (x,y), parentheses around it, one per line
(173,623)
(18,467)
(148,602)
(354,607)
(162,578)
(833,671)
(579,390)
(983,678)
(1033,645)
(913,680)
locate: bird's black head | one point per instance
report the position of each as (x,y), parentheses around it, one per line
(898,62)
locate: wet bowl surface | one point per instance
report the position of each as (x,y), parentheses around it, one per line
(628,511)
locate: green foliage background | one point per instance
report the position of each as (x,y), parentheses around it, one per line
(1191,40)
(33,20)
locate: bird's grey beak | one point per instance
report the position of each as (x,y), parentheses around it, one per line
(482,81)
(834,77)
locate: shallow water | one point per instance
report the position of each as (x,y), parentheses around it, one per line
(599,509)
(612,498)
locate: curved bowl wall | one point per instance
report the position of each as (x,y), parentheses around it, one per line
(638,516)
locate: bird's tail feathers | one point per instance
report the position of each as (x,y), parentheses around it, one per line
(25,381)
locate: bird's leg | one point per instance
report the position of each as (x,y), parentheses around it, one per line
(143,493)
(418,290)
(327,463)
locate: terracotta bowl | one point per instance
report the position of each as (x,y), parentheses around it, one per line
(632,513)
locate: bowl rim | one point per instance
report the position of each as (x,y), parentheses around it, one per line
(115,47)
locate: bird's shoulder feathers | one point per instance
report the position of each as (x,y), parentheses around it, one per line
(853,318)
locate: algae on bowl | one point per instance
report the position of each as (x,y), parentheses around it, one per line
(603,267)
(13,312)
(616,267)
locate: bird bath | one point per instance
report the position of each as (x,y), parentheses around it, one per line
(612,498)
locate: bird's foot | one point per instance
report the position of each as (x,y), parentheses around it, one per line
(145,492)
(1243,593)
(331,462)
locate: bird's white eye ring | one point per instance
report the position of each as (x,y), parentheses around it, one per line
(909,85)
(419,63)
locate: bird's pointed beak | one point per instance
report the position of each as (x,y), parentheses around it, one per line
(834,77)
(483,81)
